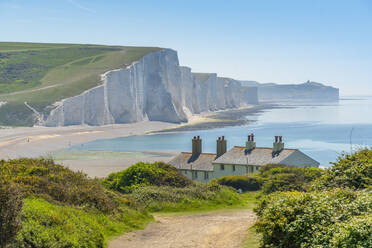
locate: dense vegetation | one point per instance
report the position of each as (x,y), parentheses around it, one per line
(351,170)
(196,196)
(146,174)
(273,177)
(332,210)
(63,208)
(161,187)
(317,219)
(10,208)
(244,182)
(41,74)
(298,207)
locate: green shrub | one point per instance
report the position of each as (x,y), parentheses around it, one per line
(195,196)
(317,219)
(356,233)
(49,225)
(245,183)
(10,208)
(145,174)
(287,178)
(44,178)
(351,170)
(67,209)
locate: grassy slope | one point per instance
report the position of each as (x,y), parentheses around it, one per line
(63,208)
(42,74)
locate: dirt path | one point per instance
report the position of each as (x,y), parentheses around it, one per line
(210,230)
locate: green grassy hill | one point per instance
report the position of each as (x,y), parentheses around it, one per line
(41,74)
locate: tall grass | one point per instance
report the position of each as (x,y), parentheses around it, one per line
(198,196)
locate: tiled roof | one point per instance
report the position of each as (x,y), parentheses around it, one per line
(258,156)
(185,160)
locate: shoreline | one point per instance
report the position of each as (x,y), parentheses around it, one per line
(54,142)
(222,118)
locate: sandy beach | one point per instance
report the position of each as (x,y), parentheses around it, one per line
(46,141)
(54,142)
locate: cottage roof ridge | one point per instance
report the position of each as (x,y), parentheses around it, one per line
(270,148)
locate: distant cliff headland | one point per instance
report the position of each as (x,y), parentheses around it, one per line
(306,91)
(64,84)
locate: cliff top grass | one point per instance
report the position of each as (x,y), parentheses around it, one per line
(41,74)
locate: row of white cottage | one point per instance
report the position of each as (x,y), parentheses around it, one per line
(240,160)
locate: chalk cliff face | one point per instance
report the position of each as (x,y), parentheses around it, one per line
(155,88)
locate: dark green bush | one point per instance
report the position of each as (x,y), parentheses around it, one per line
(44,178)
(351,170)
(10,209)
(245,183)
(146,174)
(317,219)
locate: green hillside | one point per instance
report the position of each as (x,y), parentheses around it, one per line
(41,74)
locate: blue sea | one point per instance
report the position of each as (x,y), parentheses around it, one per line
(322,130)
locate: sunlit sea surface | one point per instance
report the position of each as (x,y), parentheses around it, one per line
(321,130)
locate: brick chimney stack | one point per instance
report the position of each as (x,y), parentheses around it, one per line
(196,145)
(250,144)
(221,146)
(278,144)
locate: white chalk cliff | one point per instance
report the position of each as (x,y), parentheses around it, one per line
(154,88)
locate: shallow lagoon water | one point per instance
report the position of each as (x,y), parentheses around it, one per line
(323,131)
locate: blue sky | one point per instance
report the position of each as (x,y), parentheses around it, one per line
(279,41)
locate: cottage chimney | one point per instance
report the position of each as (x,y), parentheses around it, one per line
(278,144)
(221,146)
(196,145)
(250,144)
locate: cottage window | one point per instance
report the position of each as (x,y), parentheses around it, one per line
(251,169)
(257,168)
(206,175)
(233,167)
(196,174)
(185,172)
(222,167)
(246,169)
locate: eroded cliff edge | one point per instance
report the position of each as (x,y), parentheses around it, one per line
(155,88)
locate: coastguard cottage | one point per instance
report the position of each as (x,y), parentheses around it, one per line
(239,160)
